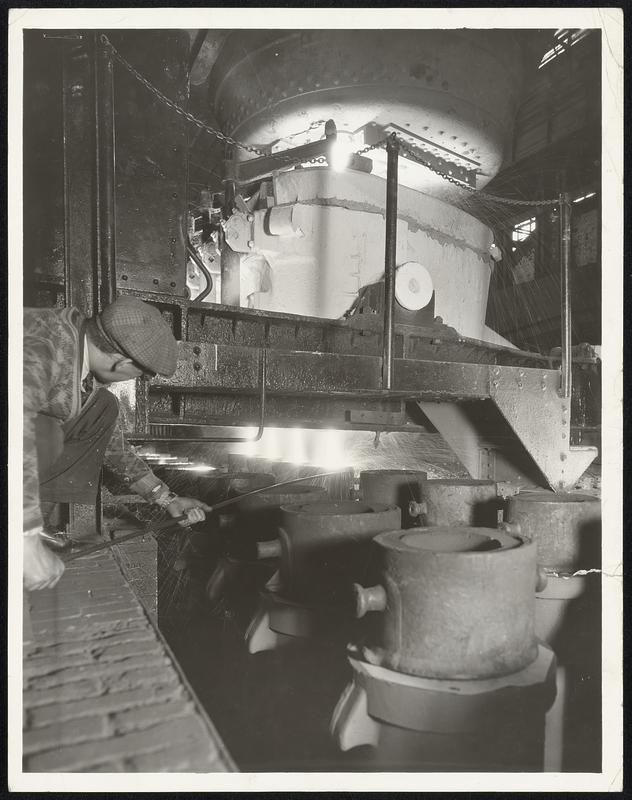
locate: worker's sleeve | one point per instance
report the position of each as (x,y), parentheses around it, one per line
(130,468)
(40,370)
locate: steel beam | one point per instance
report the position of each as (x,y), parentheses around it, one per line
(390,256)
(207,367)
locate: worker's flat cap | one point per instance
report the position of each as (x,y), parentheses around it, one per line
(138,331)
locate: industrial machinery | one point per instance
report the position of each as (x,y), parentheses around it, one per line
(452,631)
(309,212)
(320,550)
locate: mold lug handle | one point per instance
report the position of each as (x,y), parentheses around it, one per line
(511,528)
(416,509)
(371,598)
(270,549)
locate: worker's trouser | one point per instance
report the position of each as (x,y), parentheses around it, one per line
(70,455)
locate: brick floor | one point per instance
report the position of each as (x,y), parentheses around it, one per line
(102,691)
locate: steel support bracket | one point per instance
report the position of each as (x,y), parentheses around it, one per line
(239,232)
(528,399)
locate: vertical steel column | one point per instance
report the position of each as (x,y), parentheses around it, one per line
(80,270)
(392,150)
(64,118)
(105,172)
(565,258)
(230,261)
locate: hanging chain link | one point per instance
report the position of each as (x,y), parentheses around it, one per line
(293,160)
(478,193)
(174,106)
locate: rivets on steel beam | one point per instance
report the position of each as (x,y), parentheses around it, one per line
(156,281)
(197,366)
(173,284)
(251,244)
(197,350)
(123,277)
(563,456)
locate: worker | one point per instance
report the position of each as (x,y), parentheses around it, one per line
(71,424)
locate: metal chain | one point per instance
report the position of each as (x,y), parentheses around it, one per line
(288,160)
(174,106)
(293,161)
(370,147)
(456,182)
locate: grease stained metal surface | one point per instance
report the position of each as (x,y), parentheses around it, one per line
(526,398)
(336,366)
(205,367)
(151,200)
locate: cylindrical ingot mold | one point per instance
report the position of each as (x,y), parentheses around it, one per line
(566,528)
(324,547)
(243,482)
(455,502)
(191,480)
(260,513)
(452,602)
(396,487)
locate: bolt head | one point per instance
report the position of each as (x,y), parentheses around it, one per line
(251,244)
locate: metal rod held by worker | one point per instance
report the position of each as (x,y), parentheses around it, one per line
(96,548)
(232,500)
(565,255)
(173,523)
(392,150)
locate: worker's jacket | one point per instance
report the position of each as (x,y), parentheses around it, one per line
(53,358)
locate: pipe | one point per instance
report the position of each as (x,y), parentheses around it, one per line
(263,368)
(230,261)
(66,190)
(565,254)
(105,163)
(392,150)
(193,255)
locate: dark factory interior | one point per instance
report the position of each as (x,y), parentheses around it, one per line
(379,252)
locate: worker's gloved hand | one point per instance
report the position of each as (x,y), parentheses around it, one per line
(194,509)
(42,568)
